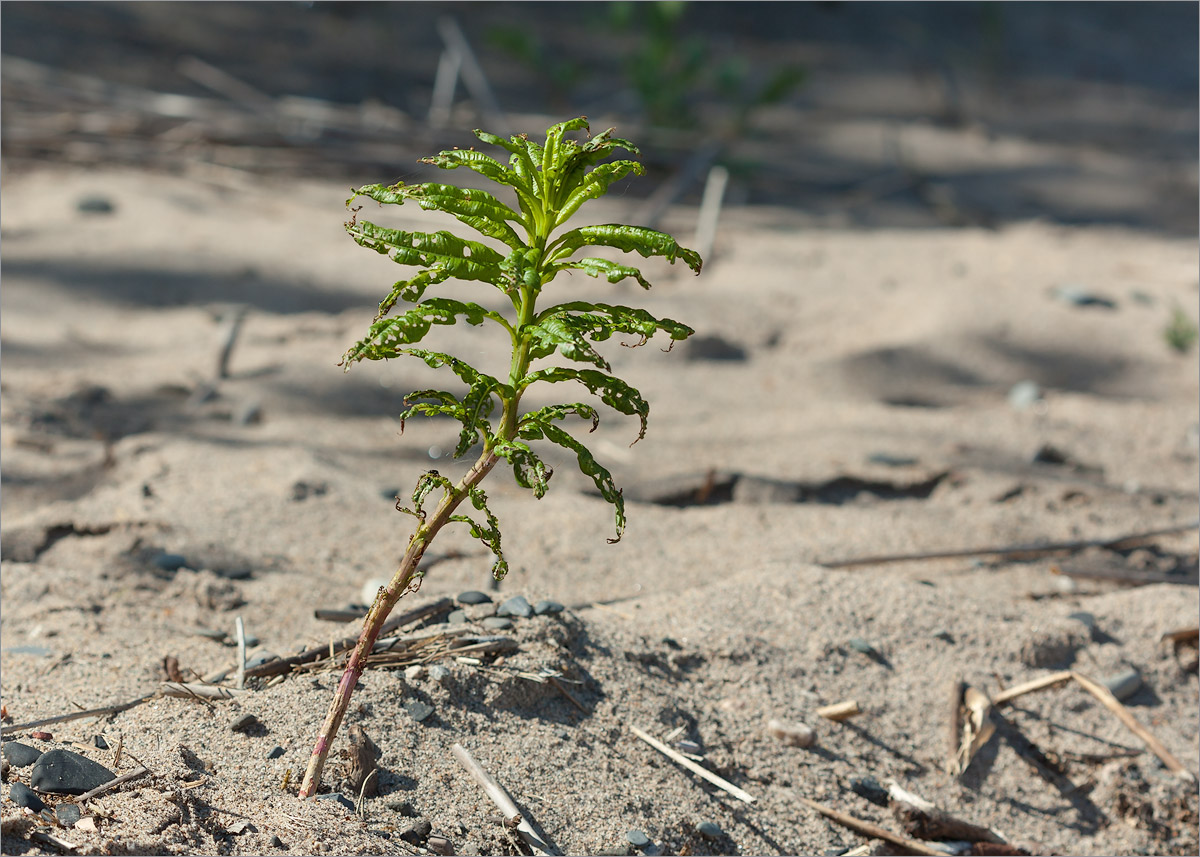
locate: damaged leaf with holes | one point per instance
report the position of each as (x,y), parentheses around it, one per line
(518,244)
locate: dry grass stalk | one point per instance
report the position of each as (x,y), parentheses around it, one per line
(722,784)
(840,711)
(1030,686)
(502,800)
(867,828)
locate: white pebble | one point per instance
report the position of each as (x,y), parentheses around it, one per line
(371,589)
(415,672)
(791,733)
(437,672)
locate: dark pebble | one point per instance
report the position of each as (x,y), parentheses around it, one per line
(709,830)
(712,348)
(495,623)
(276,752)
(340,798)
(99,743)
(869,788)
(418,833)
(404,808)
(243,722)
(543,607)
(276,842)
(473,596)
(95,205)
(1082,297)
(67,814)
(516,606)
(889,460)
(249,413)
(20,755)
(457,617)
(439,845)
(170,561)
(1124,684)
(1086,619)
(418,711)
(861,645)
(637,839)
(1048,454)
(65,773)
(22,795)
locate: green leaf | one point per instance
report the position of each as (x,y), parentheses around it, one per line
(458,257)
(559,412)
(388,336)
(588,466)
(613,271)
(612,391)
(594,185)
(562,334)
(648,242)
(488,534)
(476,208)
(600,321)
(529,470)
(412,289)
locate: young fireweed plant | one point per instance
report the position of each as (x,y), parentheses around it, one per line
(550,180)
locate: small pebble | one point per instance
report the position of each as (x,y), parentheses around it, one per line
(243,722)
(276,752)
(370,589)
(42,736)
(261,658)
(170,561)
(495,623)
(1124,684)
(861,645)
(457,617)
(415,673)
(95,204)
(418,833)
(404,808)
(248,413)
(1086,619)
(791,733)
(437,672)
(1079,296)
(944,635)
(889,460)
(99,743)
(516,606)
(543,607)
(67,814)
(1023,395)
(340,798)
(418,711)
(439,845)
(637,839)
(870,789)
(1048,454)
(66,773)
(710,830)
(473,596)
(276,842)
(20,755)
(22,795)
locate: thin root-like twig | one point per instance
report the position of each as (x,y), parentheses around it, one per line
(679,758)
(112,784)
(502,800)
(868,828)
(76,715)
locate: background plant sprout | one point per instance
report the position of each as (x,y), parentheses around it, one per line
(551,180)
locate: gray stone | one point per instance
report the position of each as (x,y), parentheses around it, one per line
(20,755)
(276,752)
(1079,296)
(495,623)
(1024,395)
(869,789)
(418,833)
(437,672)
(516,606)
(243,722)
(404,808)
(417,710)
(170,561)
(439,844)
(249,413)
(67,814)
(889,460)
(95,204)
(99,743)
(473,596)
(340,798)
(65,773)
(276,842)
(710,830)
(1124,684)
(712,348)
(861,645)
(22,795)
(457,617)
(1086,619)
(543,607)
(637,839)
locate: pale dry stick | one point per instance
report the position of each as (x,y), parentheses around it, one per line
(53,841)
(1007,550)
(473,76)
(840,711)
(501,799)
(240,682)
(445,81)
(1106,698)
(223,83)
(112,784)
(867,828)
(1031,686)
(77,715)
(722,784)
(710,210)
(924,820)
(198,691)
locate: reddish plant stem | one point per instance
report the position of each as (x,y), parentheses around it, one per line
(385,600)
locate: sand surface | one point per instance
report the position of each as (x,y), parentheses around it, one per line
(874,388)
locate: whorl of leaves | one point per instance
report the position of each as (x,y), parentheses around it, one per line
(550,180)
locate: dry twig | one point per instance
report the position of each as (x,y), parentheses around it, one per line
(502,800)
(720,783)
(867,828)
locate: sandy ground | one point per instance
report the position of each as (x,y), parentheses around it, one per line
(873,387)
